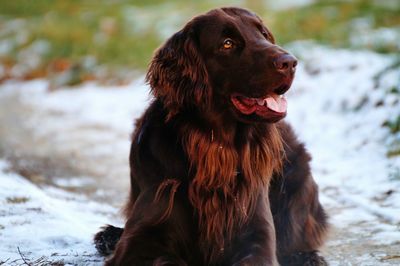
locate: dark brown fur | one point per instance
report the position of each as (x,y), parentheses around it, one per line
(210,185)
(223,202)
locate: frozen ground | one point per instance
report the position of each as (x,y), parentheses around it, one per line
(64,169)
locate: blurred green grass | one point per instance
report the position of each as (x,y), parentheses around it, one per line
(124,33)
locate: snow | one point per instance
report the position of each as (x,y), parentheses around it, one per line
(41,221)
(365,36)
(336,105)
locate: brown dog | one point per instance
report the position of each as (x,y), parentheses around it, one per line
(215,178)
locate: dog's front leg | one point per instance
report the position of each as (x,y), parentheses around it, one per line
(256,244)
(157,232)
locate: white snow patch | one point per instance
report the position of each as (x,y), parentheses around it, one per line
(42,221)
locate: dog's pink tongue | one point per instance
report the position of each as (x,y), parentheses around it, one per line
(276,103)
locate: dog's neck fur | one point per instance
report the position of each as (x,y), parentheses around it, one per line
(229,163)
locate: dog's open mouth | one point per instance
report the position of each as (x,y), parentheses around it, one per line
(273,105)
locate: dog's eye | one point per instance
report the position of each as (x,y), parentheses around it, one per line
(228,44)
(265,34)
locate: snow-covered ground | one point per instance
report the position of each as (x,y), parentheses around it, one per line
(64,168)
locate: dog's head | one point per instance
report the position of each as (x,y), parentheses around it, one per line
(225,61)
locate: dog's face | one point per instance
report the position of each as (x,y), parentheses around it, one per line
(244,65)
(230,61)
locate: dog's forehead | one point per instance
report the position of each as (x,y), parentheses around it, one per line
(216,21)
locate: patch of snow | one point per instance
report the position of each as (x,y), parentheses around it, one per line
(376,38)
(41,221)
(74,181)
(6,46)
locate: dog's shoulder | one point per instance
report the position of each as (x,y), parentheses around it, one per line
(156,149)
(292,144)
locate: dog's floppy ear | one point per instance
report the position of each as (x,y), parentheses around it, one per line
(177,74)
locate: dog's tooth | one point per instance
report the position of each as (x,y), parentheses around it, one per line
(260,102)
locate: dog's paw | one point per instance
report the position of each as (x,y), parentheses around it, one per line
(106,240)
(314,259)
(253,260)
(165,261)
(311,258)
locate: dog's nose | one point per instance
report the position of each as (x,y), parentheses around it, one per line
(286,64)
